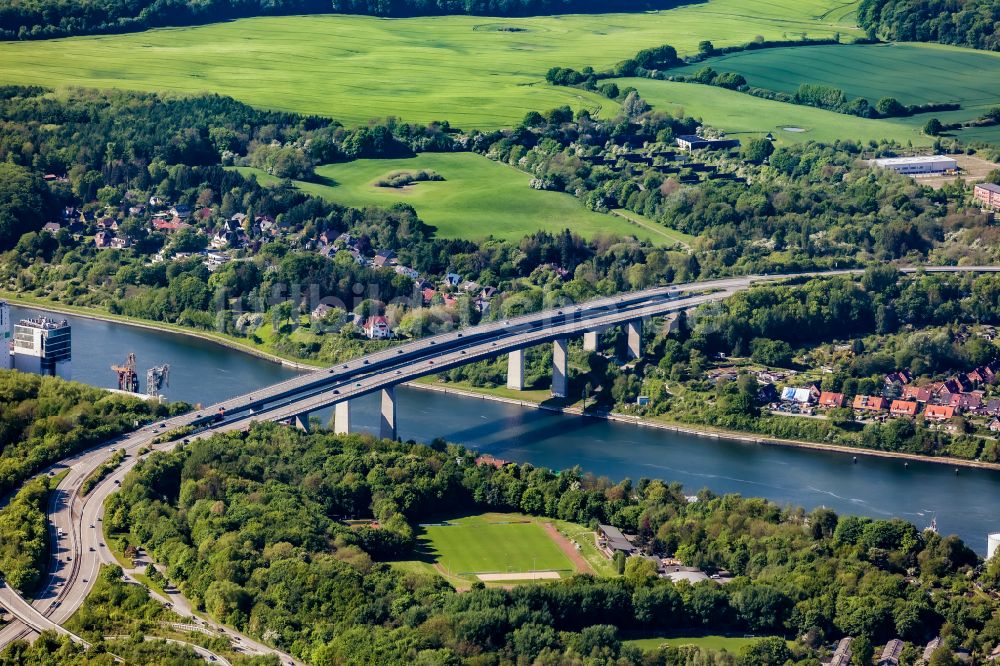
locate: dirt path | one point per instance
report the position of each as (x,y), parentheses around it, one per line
(567,547)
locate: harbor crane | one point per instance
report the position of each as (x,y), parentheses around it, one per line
(128,379)
(157,377)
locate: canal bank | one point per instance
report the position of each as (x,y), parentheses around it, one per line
(204,372)
(42,305)
(717,433)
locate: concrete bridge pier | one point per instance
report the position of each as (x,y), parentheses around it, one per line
(515,370)
(634,329)
(590,341)
(387,421)
(342,418)
(302,422)
(560,370)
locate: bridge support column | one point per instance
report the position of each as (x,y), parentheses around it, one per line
(515,370)
(560,370)
(669,322)
(387,421)
(342,418)
(302,422)
(634,329)
(590,341)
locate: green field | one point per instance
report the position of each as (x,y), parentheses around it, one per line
(458,68)
(742,114)
(732,644)
(478,198)
(492,543)
(912,73)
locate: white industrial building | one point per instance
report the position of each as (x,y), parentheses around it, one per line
(920,164)
(992,543)
(6,358)
(43,346)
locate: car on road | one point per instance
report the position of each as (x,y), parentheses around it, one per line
(92,526)
(91,549)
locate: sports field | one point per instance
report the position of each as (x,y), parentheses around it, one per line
(472,71)
(732,644)
(477,198)
(745,116)
(493,544)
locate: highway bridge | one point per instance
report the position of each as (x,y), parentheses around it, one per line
(76,557)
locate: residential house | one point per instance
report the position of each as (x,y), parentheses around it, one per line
(995,654)
(939,412)
(156,201)
(870,403)
(611,540)
(994,425)
(102,239)
(904,408)
(993,407)
(182,211)
(384,258)
(121,242)
(407,272)
(842,654)
(899,377)
(891,653)
(469,286)
(428,294)
(51,227)
(966,402)
(830,400)
(487,293)
(917,393)
(929,650)
(169,226)
(453,279)
(377,328)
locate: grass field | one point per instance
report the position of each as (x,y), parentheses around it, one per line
(478,198)
(463,69)
(741,114)
(492,543)
(732,644)
(912,73)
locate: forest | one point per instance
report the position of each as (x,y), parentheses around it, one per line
(45,419)
(972,23)
(248,526)
(45,19)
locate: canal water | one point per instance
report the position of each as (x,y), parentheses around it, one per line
(966,503)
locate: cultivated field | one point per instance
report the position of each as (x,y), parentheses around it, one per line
(745,116)
(493,543)
(468,70)
(478,198)
(912,73)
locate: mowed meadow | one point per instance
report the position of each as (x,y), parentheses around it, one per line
(912,73)
(476,199)
(472,71)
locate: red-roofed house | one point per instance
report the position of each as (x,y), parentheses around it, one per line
(829,400)
(870,403)
(917,393)
(377,328)
(903,408)
(939,412)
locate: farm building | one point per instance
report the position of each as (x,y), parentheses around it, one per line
(987,194)
(690,142)
(911,166)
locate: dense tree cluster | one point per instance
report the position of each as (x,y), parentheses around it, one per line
(248,526)
(974,23)
(23,547)
(45,419)
(44,19)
